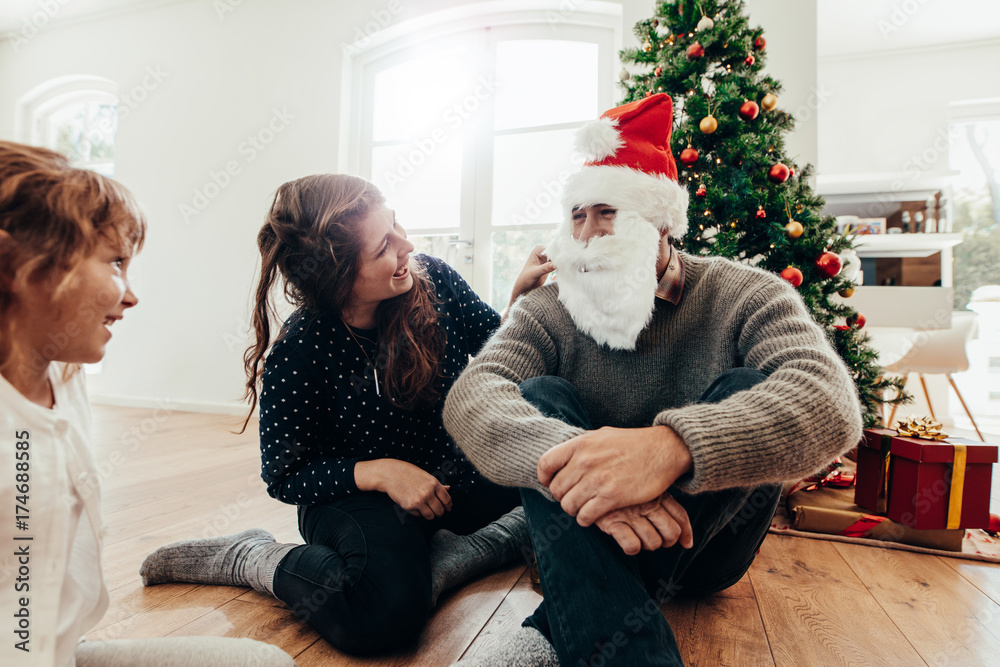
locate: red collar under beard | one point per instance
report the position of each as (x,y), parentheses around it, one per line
(609,284)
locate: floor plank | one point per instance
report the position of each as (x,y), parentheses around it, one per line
(984,576)
(520,602)
(721,629)
(959,624)
(816,611)
(454,626)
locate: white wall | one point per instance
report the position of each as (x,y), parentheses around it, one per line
(790,30)
(887,111)
(219,81)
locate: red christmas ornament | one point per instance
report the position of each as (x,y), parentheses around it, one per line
(828,264)
(994,526)
(749,110)
(761,213)
(701,191)
(760,43)
(841,327)
(688,156)
(857,320)
(778,173)
(792,275)
(696,50)
(749,60)
(658,71)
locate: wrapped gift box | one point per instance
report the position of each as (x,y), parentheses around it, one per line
(829,510)
(873,457)
(923,483)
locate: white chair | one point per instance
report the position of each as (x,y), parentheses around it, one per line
(940,351)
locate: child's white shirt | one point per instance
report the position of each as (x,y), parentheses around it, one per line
(66,593)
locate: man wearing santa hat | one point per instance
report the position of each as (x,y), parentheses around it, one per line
(659,398)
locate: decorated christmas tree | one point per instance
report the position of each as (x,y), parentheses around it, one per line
(749,200)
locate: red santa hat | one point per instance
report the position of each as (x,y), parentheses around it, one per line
(629,165)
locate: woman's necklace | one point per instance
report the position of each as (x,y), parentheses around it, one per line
(374,370)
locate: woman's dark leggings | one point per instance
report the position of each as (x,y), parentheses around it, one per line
(362,580)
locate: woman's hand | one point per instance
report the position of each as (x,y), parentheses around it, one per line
(532,274)
(415,490)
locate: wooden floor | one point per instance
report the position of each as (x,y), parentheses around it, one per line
(169,476)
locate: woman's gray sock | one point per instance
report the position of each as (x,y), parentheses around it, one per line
(457,558)
(244,559)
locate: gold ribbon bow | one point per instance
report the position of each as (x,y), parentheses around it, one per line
(924,428)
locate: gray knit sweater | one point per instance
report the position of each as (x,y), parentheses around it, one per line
(730,315)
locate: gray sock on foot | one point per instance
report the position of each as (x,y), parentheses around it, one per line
(525,648)
(458,558)
(244,559)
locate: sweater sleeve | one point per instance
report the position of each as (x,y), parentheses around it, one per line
(498,430)
(298,436)
(803,415)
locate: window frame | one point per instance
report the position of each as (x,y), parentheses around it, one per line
(583,21)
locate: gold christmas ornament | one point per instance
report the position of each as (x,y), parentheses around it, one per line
(924,428)
(794,229)
(847,292)
(769,102)
(708,124)
(647,47)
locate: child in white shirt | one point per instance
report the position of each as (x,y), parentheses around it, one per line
(67,236)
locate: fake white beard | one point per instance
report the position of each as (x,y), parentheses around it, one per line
(609,284)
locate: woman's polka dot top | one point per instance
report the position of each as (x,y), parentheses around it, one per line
(320,413)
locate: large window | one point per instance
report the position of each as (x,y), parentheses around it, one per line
(470,134)
(974,157)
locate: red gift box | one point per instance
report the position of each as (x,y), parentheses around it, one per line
(873,456)
(929,484)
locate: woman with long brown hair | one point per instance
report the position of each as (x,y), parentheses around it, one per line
(350,395)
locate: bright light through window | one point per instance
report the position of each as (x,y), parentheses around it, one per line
(412,98)
(543,82)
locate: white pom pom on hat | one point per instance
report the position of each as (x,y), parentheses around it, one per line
(629,165)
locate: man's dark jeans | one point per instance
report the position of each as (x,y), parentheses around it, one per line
(601,606)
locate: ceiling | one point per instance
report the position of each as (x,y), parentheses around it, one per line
(846,27)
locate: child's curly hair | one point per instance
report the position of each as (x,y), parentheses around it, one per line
(52,216)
